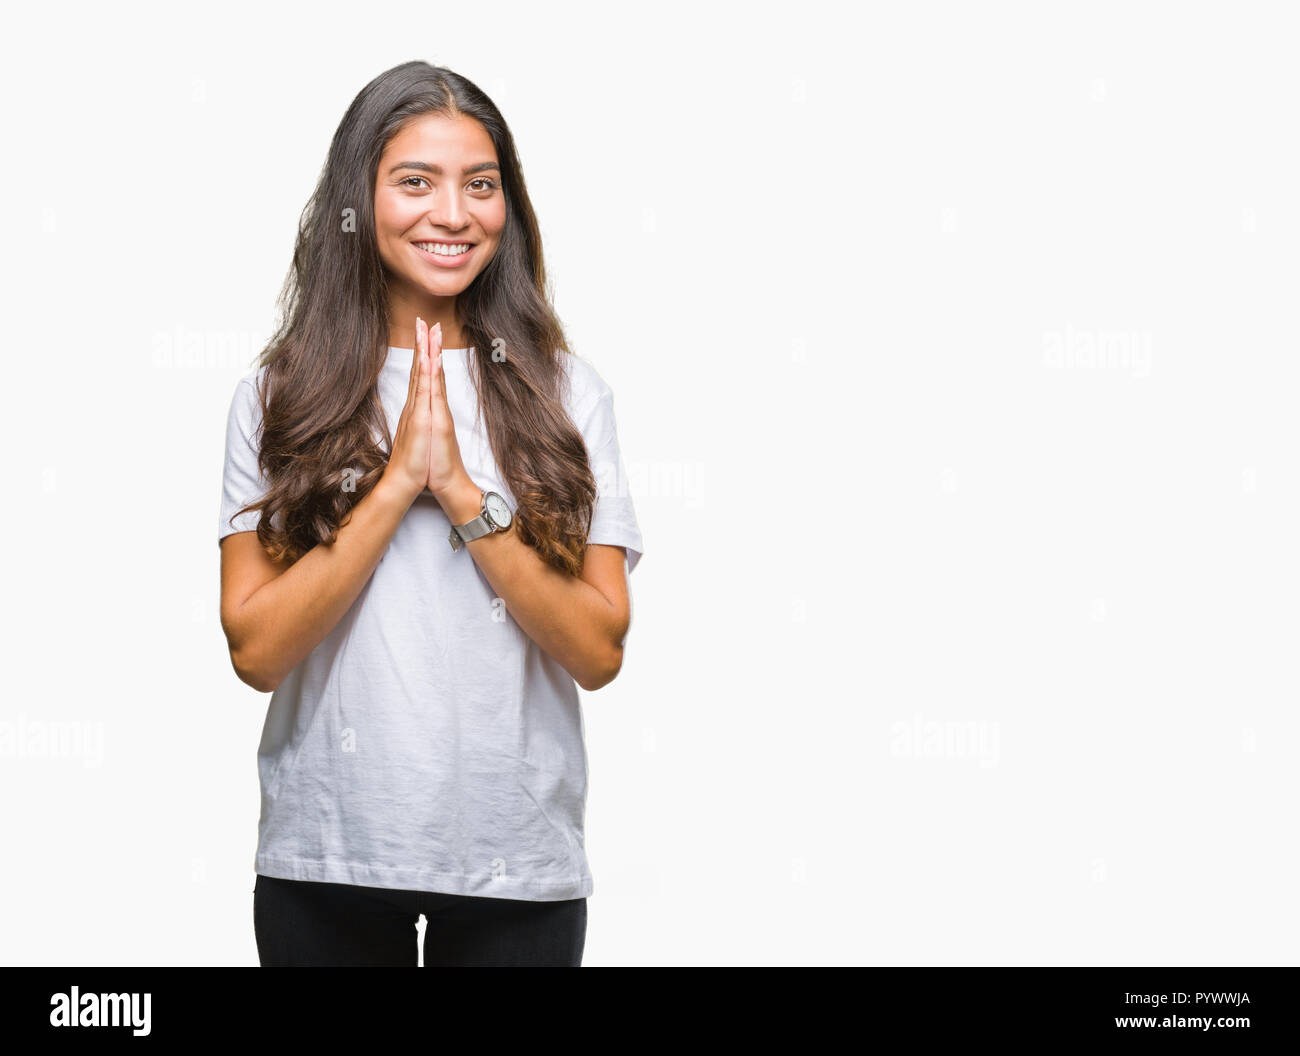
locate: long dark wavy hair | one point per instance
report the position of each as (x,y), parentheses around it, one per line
(325,438)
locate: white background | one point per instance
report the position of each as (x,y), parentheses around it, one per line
(954,351)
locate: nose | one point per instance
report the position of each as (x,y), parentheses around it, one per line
(449,212)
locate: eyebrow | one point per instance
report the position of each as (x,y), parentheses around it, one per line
(422,166)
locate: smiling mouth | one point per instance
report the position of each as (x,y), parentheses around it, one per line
(443,252)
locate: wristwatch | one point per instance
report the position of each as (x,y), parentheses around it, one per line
(495,516)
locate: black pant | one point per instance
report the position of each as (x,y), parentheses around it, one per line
(310,923)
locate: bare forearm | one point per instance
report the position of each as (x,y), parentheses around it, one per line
(568,618)
(285,619)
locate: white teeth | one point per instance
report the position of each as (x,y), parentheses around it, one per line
(444,251)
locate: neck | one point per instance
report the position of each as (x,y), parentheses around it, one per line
(403,307)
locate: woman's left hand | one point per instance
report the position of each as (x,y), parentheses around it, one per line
(446,470)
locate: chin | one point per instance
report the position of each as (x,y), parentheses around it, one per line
(446,288)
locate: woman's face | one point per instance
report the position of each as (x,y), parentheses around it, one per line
(438,182)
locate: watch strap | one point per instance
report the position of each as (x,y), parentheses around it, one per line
(472,529)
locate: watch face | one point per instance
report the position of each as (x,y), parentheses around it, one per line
(497,509)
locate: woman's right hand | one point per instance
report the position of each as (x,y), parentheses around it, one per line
(408,465)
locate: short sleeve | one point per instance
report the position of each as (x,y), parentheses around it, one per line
(613,520)
(242,482)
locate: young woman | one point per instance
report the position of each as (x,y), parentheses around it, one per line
(420,598)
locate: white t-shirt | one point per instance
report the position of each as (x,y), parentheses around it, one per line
(427,743)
